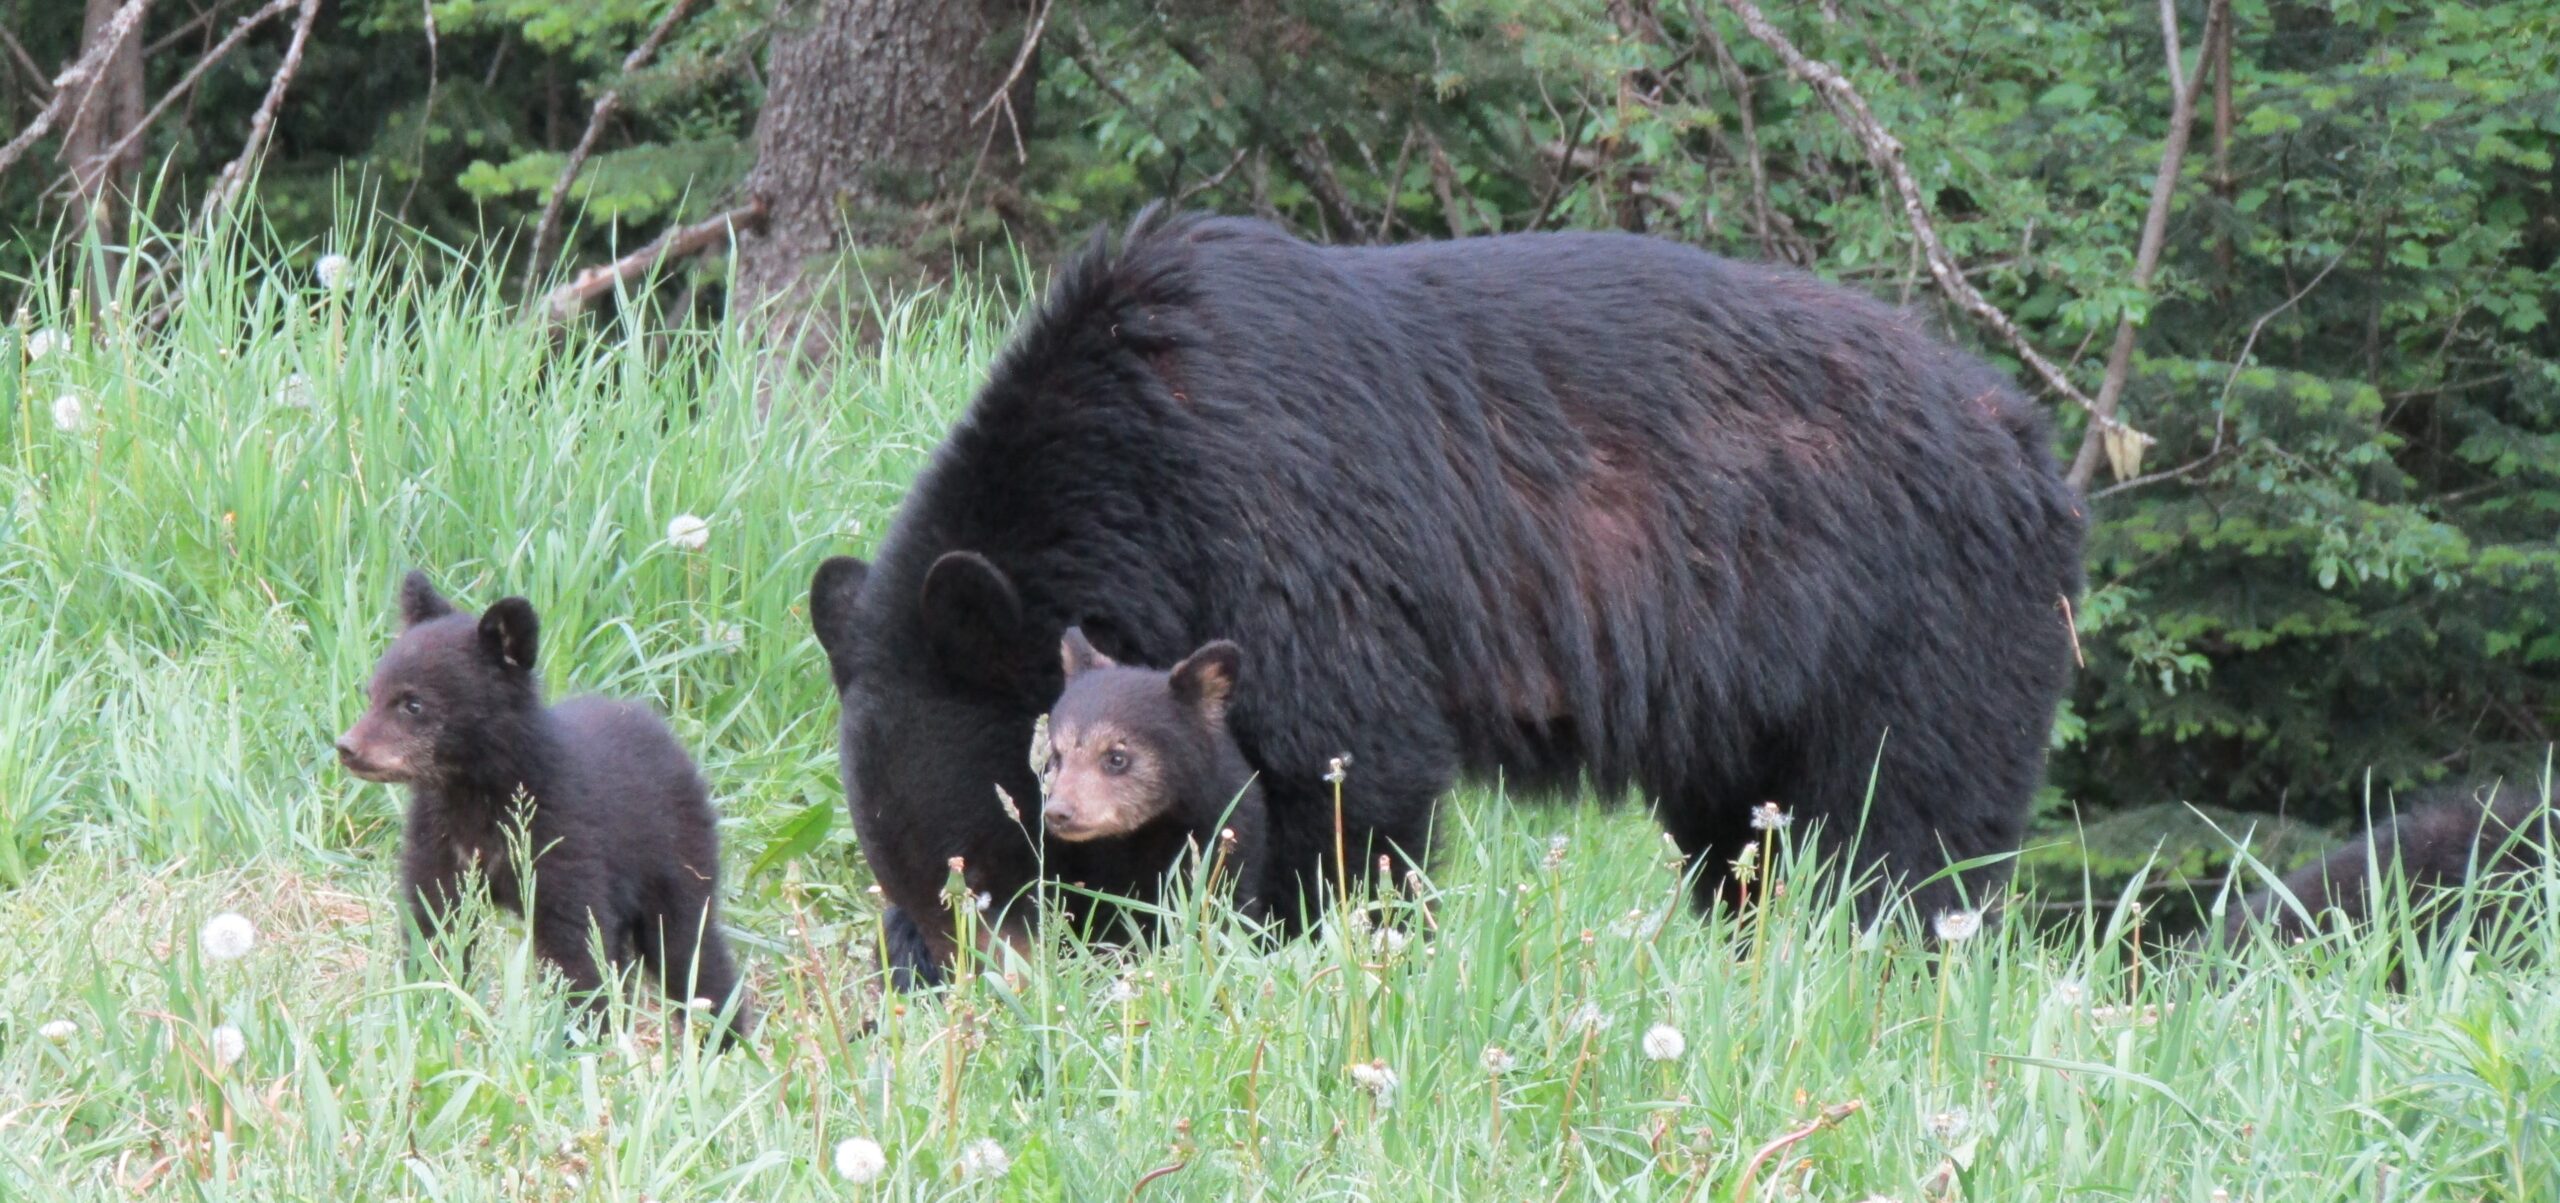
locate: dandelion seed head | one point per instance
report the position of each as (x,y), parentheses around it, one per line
(860,1160)
(2070,992)
(1663,1042)
(46,342)
(1945,1126)
(59,1031)
(984,1159)
(70,415)
(1337,769)
(1768,817)
(1121,991)
(229,1044)
(1497,1061)
(333,270)
(688,532)
(294,391)
(228,936)
(1378,1079)
(1589,1018)
(1957,926)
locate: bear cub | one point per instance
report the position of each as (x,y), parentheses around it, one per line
(1140,766)
(618,822)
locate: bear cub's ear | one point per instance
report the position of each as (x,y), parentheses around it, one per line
(508,633)
(419,601)
(1207,678)
(1078,655)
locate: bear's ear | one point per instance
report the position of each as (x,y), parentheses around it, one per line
(419,600)
(831,596)
(973,621)
(508,632)
(1207,678)
(1078,655)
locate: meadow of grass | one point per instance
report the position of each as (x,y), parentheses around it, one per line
(198,551)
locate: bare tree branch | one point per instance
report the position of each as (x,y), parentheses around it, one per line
(1885,152)
(235,174)
(564,302)
(82,70)
(186,83)
(1013,74)
(2221,403)
(2183,94)
(546,232)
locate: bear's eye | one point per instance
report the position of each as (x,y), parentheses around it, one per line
(1115,761)
(410,704)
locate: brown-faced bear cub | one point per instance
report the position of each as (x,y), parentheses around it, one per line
(619,824)
(1140,766)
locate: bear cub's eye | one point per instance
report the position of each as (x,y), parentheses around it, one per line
(410,704)
(1115,761)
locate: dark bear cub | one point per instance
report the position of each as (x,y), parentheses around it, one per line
(618,823)
(2443,839)
(1140,766)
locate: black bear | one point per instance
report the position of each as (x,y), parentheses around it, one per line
(2444,838)
(1140,767)
(619,823)
(1581,510)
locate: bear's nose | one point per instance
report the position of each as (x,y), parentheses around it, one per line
(346,751)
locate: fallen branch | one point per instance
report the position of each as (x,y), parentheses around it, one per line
(564,302)
(110,37)
(235,174)
(1830,1117)
(1885,151)
(546,232)
(2183,94)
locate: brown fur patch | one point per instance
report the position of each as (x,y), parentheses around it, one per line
(1086,801)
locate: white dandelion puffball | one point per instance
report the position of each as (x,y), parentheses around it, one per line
(1496,1061)
(984,1159)
(1122,991)
(860,1160)
(1767,817)
(334,270)
(69,414)
(228,1045)
(688,532)
(45,342)
(1378,1079)
(1663,1042)
(1957,926)
(294,392)
(59,1031)
(2070,992)
(1589,1018)
(228,936)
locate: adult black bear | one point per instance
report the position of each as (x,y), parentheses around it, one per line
(619,823)
(1574,509)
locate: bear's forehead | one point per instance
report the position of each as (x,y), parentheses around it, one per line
(1109,705)
(429,651)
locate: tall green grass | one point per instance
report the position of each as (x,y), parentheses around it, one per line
(194,582)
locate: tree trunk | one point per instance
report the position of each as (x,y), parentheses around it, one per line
(102,182)
(870,130)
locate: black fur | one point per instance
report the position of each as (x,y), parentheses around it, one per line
(1568,508)
(619,822)
(2437,843)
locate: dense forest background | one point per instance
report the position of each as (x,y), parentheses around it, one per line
(2301,257)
